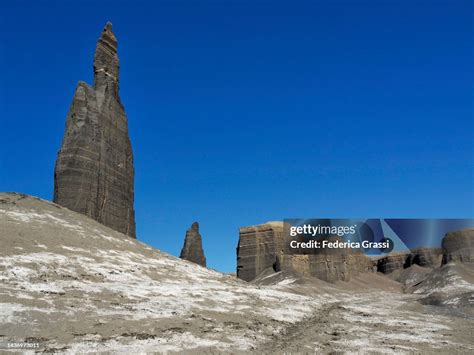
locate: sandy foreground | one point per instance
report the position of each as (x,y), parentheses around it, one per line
(73,285)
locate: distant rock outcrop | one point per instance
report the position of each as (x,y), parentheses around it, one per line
(262,248)
(331,265)
(425,257)
(94,172)
(258,249)
(392,262)
(458,246)
(192,248)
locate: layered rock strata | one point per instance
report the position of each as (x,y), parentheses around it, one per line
(258,249)
(263,246)
(458,246)
(94,173)
(426,257)
(192,248)
(330,267)
(392,262)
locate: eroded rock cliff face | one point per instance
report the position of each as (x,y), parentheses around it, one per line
(425,257)
(258,249)
(262,247)
(392,262)
(458,246)
(328,264)
(94,173)
(192,248)
(341,265)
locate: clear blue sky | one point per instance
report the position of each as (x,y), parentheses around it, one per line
(241,112)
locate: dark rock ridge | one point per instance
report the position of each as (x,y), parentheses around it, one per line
(392,262)
(94,173)
(192,248)
(458,246)
(262,248)
(425,257)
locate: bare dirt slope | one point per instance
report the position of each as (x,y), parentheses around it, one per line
(77,286)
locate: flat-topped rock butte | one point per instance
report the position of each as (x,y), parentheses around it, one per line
(94,173)
(261,251)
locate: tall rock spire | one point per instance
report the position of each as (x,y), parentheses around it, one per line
(94,173)
(106,62)
(192,248)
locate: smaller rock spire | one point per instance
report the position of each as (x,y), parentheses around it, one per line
(192,248)
(106,62)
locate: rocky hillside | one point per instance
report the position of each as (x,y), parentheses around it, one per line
(72,282)
(451,286)
(75,285)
